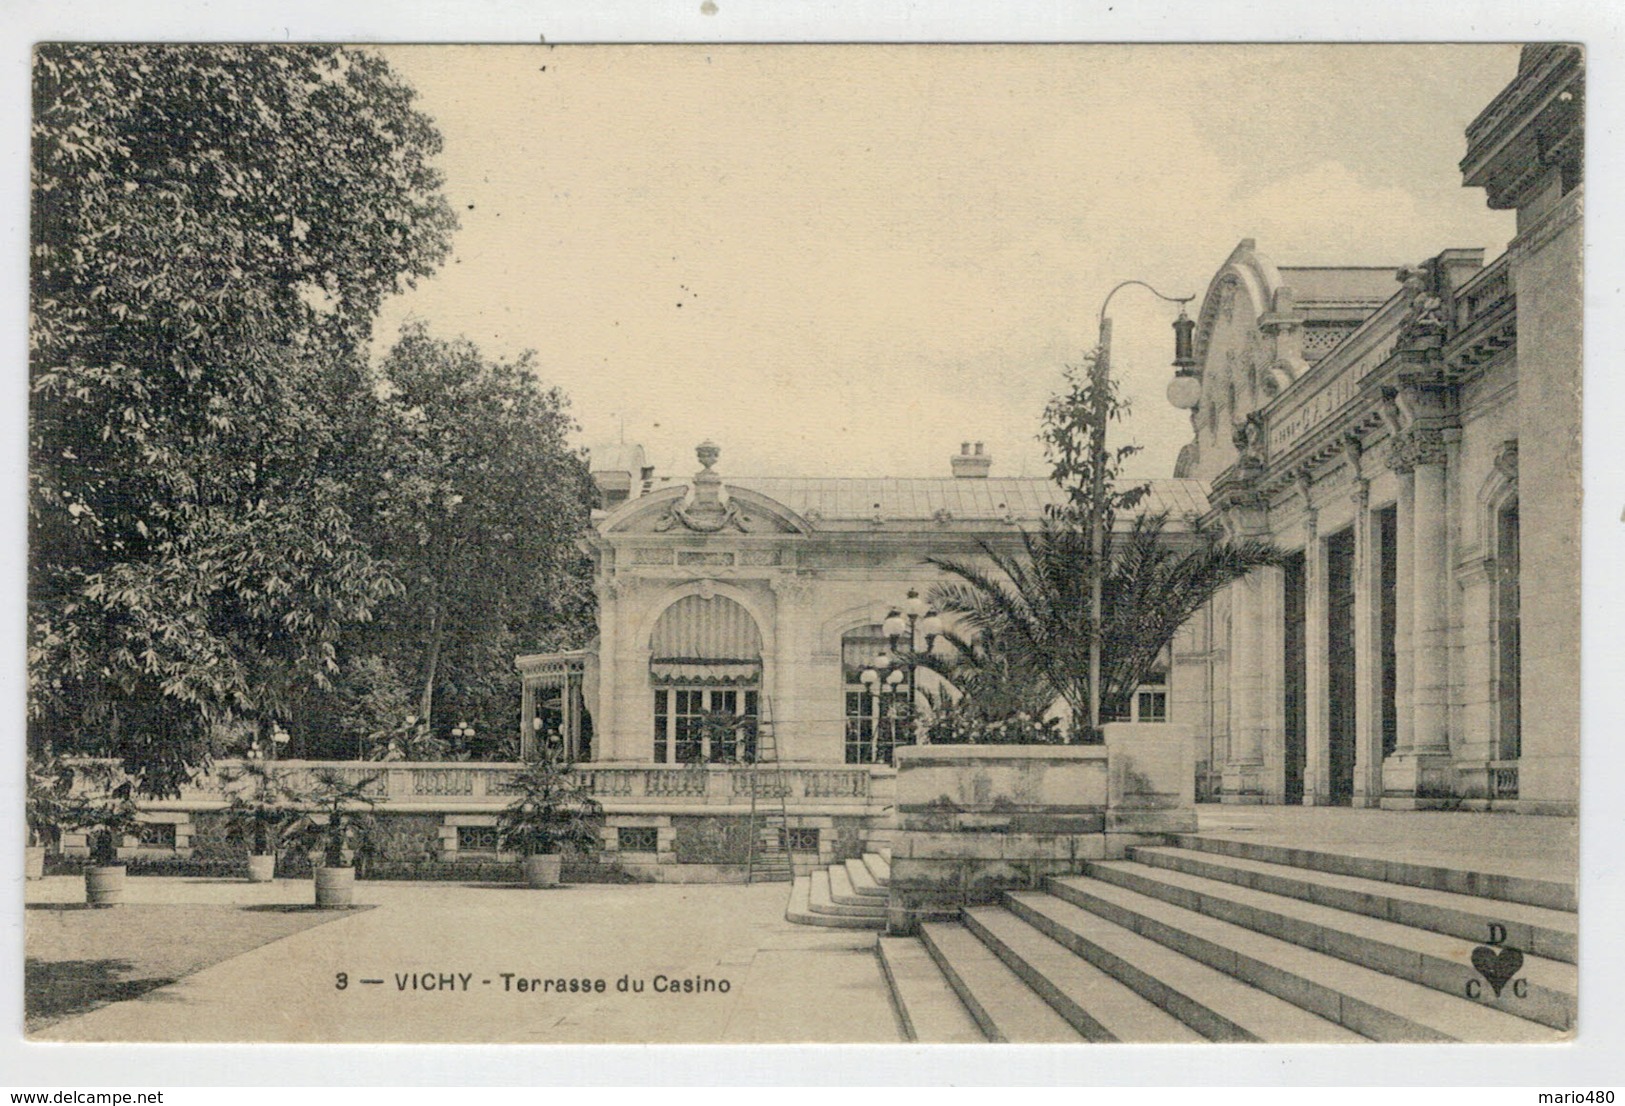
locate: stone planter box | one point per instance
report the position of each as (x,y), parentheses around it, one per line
(974,821)
(1152,788)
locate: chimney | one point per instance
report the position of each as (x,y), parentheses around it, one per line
(968,465)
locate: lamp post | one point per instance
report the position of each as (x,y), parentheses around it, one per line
(912,619)
(279,740)
(1099,376)
(465,733)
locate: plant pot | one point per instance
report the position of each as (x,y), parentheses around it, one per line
(335,886)
(261,869)
(105,886)
(34,862)
(542,869)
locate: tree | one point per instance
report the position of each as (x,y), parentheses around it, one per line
(477,511)
(1034,605)
(213,229)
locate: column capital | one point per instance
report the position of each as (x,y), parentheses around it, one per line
(1360,494)
(1416,446)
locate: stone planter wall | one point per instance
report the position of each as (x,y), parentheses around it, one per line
(976,820)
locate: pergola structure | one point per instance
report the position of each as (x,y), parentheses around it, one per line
(559,709)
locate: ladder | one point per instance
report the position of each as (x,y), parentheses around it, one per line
(768,858)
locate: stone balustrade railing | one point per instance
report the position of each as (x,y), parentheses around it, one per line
(612,784)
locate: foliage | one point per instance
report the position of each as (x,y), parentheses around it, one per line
(731,738)
(1035,607)
(102,806)
(988,678)
(965,722)
(477,512)
(1069,434)
(552,809)
(48,797)
(346,824)
(213,229)
(258,807)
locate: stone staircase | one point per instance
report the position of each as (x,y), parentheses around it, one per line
(848,894)
(1218,939)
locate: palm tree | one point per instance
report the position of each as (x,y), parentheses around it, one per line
(987,676)
(1035,604)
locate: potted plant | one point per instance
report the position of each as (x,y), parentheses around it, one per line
(340,825)
(50,785)
(551,810)
(104,810)
(257,814)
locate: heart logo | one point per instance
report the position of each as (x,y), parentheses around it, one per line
(1497,965)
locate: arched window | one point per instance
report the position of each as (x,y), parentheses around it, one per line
(878,715)
(705,664)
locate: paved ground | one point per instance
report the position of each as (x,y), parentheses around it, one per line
(786,983)
(1504,844)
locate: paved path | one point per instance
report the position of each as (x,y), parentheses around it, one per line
(1507,844)
(786,983)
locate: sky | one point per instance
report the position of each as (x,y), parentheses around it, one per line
(846,260)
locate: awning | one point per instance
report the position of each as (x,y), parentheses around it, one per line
(720,671)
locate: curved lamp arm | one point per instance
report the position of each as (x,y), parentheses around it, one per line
(1181,300)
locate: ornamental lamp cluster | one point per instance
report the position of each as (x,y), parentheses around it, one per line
(891,670)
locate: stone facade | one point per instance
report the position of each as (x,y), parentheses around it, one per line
(1419,648)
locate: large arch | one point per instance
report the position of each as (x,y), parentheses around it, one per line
(708,657)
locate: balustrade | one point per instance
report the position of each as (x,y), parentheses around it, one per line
(490,784)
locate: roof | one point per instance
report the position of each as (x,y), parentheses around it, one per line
(836,499)
(616,457)
(1340,286)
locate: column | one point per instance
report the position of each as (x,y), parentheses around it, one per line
(1430,610)
(1416,776)
(1404,530)
(527,713)
(1367,653)
(1317,720)
(1243,770)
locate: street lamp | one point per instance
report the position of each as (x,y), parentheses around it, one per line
(910,620)
(279,740)
(1099,375)
(463,732)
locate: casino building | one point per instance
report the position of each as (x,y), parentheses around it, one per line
(1415,444)
(1381,424)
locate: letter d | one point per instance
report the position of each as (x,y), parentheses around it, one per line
(1498,934)
(621,984)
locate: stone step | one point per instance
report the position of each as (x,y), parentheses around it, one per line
(1096,1005)
(1531,929)
(1003,1006)
(863,882)
(927,1007)
(832,894)
(800,911)
(1213,1004)
(1367,1001)
(879,867)
(1483,885)
(1434,960)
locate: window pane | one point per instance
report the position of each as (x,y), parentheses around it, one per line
(662,721)
(1153,706)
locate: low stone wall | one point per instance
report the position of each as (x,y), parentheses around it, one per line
(974,821)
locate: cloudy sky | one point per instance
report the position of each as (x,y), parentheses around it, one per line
(845,260)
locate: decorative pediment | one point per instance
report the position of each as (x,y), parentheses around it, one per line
(672,511)
(706,506)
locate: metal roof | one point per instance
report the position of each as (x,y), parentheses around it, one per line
(1368,286)
(992,498)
